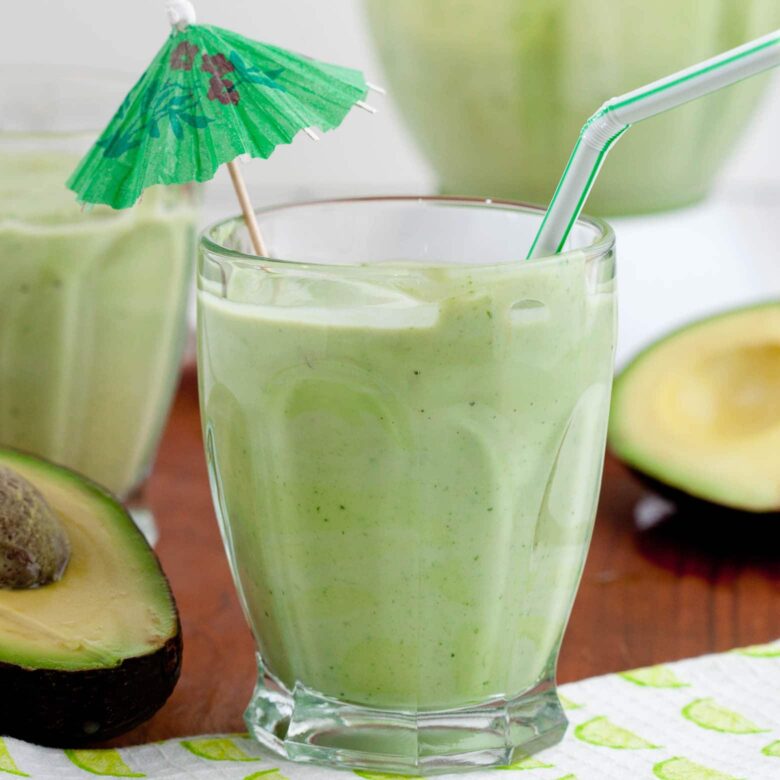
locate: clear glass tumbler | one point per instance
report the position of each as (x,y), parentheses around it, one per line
(92,322)
(405,423)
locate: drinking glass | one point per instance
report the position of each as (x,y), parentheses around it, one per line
(404,423)
(92,321)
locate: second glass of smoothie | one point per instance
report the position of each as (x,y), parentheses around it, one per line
(405,425)
(92,320)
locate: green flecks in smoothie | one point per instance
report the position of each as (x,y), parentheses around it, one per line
(527,762)
(654,677)
(107,763)
(219,749)
(567,703)
(603,733)
(772,750)
(277,775)
(568,777)
(683,769)
(7,764)
(709,715)
(379,775)
(761,651)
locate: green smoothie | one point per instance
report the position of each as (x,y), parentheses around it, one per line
(496,91)
(406,461)
(92,319)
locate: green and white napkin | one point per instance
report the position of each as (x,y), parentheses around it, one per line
(710,718)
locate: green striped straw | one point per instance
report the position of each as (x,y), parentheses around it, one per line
(613,119)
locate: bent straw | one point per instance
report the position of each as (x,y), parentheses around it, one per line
(613,119)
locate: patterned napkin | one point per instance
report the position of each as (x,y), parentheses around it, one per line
(710,718)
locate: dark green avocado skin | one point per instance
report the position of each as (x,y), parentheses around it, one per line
(70,709)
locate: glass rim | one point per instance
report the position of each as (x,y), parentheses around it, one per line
(602,244)
(21,71)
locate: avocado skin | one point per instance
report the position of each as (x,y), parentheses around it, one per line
(69,709)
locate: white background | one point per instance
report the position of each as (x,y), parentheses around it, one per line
(366,153)
(672,267)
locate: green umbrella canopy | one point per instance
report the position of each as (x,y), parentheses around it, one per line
(209,96)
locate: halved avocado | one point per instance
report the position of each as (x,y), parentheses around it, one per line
(699,411)
(99,651)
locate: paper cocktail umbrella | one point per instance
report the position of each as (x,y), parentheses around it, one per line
(208,97)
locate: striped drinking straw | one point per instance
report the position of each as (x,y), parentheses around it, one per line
(614,118)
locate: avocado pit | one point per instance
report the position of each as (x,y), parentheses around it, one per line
(34,548)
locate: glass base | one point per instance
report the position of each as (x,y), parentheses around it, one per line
(143,516)
(303,725)
(147,525)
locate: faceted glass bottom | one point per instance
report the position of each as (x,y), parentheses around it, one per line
(304,726)
(138,507)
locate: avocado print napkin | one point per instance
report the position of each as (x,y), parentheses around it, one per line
(710,718)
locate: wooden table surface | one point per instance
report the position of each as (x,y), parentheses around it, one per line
(692,584)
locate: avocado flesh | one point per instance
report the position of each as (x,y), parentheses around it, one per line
(699,411)
(112,602)
(99,651)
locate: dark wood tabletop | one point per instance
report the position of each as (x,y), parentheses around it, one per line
(693,583)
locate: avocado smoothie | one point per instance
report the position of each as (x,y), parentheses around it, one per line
(405,459)
(92,317)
